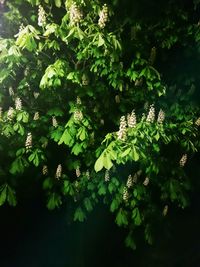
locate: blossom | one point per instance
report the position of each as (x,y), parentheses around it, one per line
(107,176)
(28,143)
(41,16)
(10,113)
(146,181)
(152,56)
(85,80)
(125,194)
(122,129)
(161,116)
(36,116)
(131,119)
(129,182)
(1,111)
(58,171)
(75,14)
(165,210)
(78,101)
(78,115)
(78,172)
(183,160)
(18,103)
(10,90)
(151,114)
(197,122)
(54,122)
(103,16)
(45,170)
(87,174)
(36,94)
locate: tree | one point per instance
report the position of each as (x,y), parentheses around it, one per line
(96,101)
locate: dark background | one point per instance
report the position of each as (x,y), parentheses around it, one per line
(32,236)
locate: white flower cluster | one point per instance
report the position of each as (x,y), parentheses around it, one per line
(45,170)
(78,101)
(161,116)
(151,114)
(183,160)
(36,116)
(75,14)
(107,176)
(18,103)
(131,119)
(78,172)
(28,143)
(122,129)
(36,94)
(165,210)
(133,179)
(41,16)
(87,174)
(58,171)
(146,181)
(129,182)
(117,99)
(152,56)
(85,80)
(78,115)
(10,90)
(103,16)
(197,122)
(1,111)
(21,27)
(10,113)
(125,194)
(54,122)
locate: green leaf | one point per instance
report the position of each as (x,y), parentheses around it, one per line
(135,155)
(107,161)
(126,152)
(88,204)
(54,201)
(121,218)
(114,204)
(66,138)
(77,149)
(100,41)
(11,198)
(99,163)
(102,189)
(79,215)
(3,194)
(58,3)
(136,216)
(129,241)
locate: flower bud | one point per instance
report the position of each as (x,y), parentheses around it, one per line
(28,143)
(183,160)
(103,17)
(45,170)
(151,114)
(41,16)
(146,181)
(36,116)
(18,104)
(107,176)
(58,171)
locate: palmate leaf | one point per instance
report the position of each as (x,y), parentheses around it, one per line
(3,194)
(79,215)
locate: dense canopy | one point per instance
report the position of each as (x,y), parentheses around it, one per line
(100,102)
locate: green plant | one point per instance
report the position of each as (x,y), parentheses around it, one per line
(91,100)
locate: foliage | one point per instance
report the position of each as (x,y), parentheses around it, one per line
(68,75)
